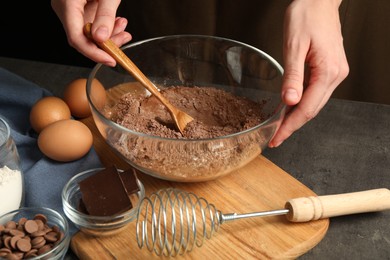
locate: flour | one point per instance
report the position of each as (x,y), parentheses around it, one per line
(11,189)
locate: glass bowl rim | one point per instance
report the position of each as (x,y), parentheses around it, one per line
(8,130)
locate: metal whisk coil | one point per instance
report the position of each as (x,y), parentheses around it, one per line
(171,222)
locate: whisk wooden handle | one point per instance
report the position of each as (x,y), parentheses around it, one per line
(313,208)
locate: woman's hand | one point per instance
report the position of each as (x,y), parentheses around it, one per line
(314,61)
(74,14)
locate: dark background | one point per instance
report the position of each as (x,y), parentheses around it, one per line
(31,30)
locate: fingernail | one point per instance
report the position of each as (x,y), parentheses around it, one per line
(111,64)
(274,144)
(291,95)
(102,33)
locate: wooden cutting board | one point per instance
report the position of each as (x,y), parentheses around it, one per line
(259,186)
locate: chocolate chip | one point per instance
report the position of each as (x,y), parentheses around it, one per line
(51,236)
(22,221)
(10,225)
(46,248)
(5,250)
(38,242)
(41,217)
(40,223)
(38,233)
(16,232)
(32,253)
(7,242)
(30,226)
(1,229)
(56,229)
(60,236)
(13,256)
(13,241)
(23,245)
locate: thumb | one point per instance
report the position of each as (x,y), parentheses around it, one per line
(293,77)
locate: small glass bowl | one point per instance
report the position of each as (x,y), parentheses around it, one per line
(95,225)
(53,219)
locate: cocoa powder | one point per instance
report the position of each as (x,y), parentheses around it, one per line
(216,114)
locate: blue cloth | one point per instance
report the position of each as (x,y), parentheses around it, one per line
(44,178)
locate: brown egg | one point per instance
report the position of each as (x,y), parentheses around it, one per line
(65,140)
(76,97)
(48,110)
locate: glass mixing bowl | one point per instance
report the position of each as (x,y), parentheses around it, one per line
(190,60)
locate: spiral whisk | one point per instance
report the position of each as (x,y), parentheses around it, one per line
(172,222)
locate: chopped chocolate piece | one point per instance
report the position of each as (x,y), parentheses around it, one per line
(129,181)
(103,193)
(81,207)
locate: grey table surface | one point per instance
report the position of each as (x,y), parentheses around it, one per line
(346,148)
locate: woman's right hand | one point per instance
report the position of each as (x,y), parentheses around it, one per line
(313,46)
(74,14)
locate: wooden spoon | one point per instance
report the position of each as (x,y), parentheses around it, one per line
(181,118)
